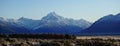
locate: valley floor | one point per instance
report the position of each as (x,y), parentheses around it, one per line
(102,37)
(80,41)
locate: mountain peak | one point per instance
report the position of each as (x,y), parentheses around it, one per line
(22,18)
(52,16)
(3,19)
(53,13)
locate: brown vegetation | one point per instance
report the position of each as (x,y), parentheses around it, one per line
(53,41)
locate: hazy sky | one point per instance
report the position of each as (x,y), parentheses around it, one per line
(90,10)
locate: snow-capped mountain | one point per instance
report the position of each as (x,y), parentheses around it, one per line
(52,23)
(52,19)
(109,24)
(28,23)
(4,29)
(12,25)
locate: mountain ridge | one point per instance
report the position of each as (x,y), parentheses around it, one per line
(51,21)
(107,25)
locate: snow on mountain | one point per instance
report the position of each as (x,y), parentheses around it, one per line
(53,23)
(52,16)
(50,23)
(11,25)
(3,19)
(27,23)
(53,19)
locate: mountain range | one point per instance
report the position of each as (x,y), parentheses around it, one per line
(9,26)
(52,23)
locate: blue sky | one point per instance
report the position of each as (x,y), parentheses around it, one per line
(90,10)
